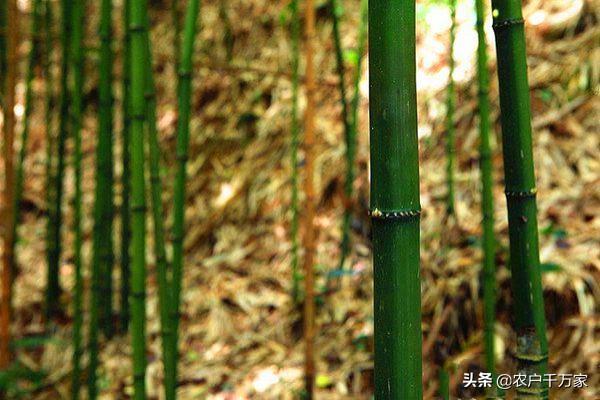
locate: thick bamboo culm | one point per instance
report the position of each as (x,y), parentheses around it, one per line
(9,182)
(33,63)
(309,230)
(487,196)
(137,294)
(295,39)
(76,109)
(395,203)
(183,133)
(528,307)
(125,213)
(450,106)
(53,288)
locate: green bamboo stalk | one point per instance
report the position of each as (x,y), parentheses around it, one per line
(183,128)
(125,177)
(487,196)
(33,62)
(395,199)
(164,300)
(76,66)
(295,36)
(450,105)
(50,137)
(530,324)
(53,288)
(352,135)
(104,168)
(138,69)
(444,390)
(102,251)
(176,32)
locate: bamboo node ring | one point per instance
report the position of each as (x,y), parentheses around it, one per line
(399,214)
(507,23)
(523,193)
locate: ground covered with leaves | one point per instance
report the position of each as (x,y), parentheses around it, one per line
(241,332)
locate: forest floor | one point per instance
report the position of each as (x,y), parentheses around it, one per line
(240,331)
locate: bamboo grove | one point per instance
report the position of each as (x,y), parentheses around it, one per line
(129,180)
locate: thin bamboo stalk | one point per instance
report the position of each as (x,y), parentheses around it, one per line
(164,295)
(3,29)
(183,128)
(530,324)
(353,133)
(295,36)
(125,176)
(309,229)
(76,108)
(444,390)
(53,288)
(138,67)
(9,182)
(102,252)
(450,106)
(487,196)
(395,199)
(33,62)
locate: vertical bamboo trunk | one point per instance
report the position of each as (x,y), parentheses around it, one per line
(444,378)
(309,230)
(53,285)
(176,32)
(353,134)
(9,182)
(450,105)
(76,66)
(295,36)
(530,324)
(138,203)
(125,175)
(487,196)
(164,300)
(102,257)
(395,200)
(33,62)
(183,131)
(50,138)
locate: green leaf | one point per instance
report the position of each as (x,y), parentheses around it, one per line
(323,381)
(351,56)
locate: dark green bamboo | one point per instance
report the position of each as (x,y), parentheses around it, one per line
(183,130)
(450,105)
(33,63)
(125,175)
(530,324)
(53,285)
(352,135)
(137,295)
(444,390)
(50,136)
(176,32)
(487,196)
(102,251)
(76,106)
(164,301)
(295,36)
(395,199)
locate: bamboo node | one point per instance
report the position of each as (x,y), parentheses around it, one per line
(398,214)
(523,193)
(497,25)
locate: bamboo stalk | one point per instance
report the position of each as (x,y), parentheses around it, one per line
(9,182)
(295,36)
(137,295)
(53,288)
(530,324)
(395,199)
(487,196)
(76,66)
(102,257)
(450,106)
(309,230)
(3,29)
(444,378)
(183,128)
(164,300)
(353,134)
(34,58)
(125,176)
